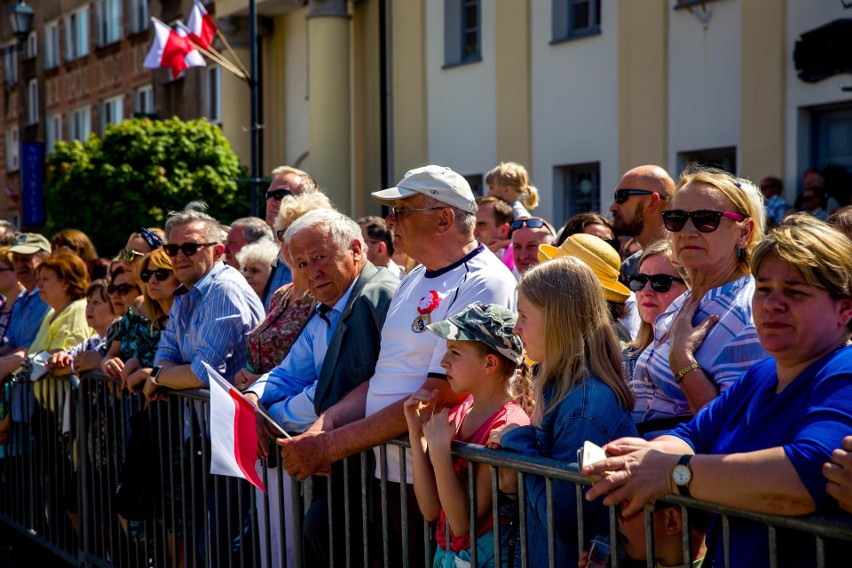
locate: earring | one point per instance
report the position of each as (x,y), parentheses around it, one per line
(739,252)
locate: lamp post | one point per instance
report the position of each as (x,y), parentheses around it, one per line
(21,16)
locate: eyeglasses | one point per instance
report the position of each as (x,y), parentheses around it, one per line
(280,234)
(7,269)
(397,211)
(530,222)
(160,274)
(659,282)
(705,220)
(279,194)
(621,195)
(129,255)
(189,249)
(121,289)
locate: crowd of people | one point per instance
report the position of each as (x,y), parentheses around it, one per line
(700,335)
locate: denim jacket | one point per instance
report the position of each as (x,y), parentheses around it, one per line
(590,411)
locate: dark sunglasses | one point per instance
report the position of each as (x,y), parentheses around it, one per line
(621,195)
(121,289)
(161,274)
(188,249)
(280,234)
(659,282)
(278,194)
(705,220)
(530,222)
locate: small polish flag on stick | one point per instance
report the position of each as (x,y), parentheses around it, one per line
(233,434)
(201,24)
(172,51)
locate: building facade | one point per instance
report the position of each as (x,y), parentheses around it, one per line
(577,90)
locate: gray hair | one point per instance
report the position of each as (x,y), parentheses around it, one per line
(343,230)
(263,250)
(212,230)
(254,229)
(465,222)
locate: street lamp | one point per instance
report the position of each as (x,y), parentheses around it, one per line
(22,20)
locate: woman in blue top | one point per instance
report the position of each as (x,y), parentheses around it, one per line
(580,395)
(760,446)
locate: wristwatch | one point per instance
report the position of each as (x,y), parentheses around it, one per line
(155,372)
(682,475)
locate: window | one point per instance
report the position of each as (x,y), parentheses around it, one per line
(461,32)
(724,158)
(109,21)
(32,101)
(13,150)
(138,15)
(212,94)
(143,100)
(54,131)
(80,123)
(112,111)
(51,44)
(10,63)
(581,188)
(32,45)
(575,19)
(77,34)
(475,183)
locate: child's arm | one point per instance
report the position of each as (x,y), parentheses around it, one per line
(416,412)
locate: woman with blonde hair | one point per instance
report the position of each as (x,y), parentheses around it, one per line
(706,338)
(580,395)
(511,182)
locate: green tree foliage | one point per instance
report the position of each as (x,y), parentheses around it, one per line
(139,171)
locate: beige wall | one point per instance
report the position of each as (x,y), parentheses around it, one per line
(236,117)
(642,83)
(764,61)
(513,82)
(408,80)
(366,116)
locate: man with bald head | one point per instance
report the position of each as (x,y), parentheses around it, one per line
(639,199)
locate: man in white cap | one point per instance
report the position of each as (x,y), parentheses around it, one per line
(433,215)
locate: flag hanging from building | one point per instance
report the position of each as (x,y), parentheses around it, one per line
(233,434)
(201,24)
(171,50)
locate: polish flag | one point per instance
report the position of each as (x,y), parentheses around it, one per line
(171,50)
(233,434)
(202,25)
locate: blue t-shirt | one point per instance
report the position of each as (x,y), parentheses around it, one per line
(27,314)
(809,419)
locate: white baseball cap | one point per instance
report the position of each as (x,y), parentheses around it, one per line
(438,182)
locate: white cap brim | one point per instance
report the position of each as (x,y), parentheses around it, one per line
(390,195)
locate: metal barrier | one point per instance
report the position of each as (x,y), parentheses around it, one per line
(102,479)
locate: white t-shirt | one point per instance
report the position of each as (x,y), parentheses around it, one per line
(410,353)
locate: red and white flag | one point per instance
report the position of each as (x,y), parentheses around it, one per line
(171,50)
(202,25)
(233,434)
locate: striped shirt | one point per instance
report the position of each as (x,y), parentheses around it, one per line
(209,322)
(729,349)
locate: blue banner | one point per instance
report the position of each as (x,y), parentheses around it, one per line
(32,184)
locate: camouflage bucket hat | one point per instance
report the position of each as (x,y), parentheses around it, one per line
(487,323)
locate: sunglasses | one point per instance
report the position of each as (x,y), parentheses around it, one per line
(659,282)
(161,274)
(280,234)
(129,255)
(121,289)
(705,220)
(397,211)
(621,195)
(278,194)
(530,222)
(188,249)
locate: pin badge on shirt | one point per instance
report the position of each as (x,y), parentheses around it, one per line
(425,307)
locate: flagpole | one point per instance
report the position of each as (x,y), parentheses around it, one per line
(254,128)
(232,52)
(220,59)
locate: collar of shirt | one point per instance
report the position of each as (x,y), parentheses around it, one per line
(204,284)
(340,305)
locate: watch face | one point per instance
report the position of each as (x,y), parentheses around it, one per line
(681,474)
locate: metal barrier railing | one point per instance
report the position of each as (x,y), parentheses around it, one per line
(101,478)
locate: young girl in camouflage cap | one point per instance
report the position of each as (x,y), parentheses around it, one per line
(483,359)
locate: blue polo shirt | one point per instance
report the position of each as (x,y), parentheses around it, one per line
(27,314)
